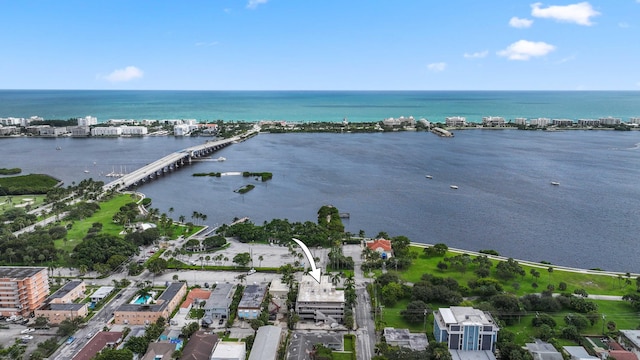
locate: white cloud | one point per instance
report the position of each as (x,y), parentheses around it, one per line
(567,59)
(624,25)
(206,44)
(122,75)
(580,13)
(252,4)
(437,67)
(524,50)
(519,23)
(476,55)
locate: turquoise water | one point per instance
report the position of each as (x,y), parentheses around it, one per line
(333,106)
(142,299)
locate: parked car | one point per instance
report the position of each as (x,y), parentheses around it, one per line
(27,330)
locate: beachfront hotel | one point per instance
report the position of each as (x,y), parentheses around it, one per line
(455,121)
(22,289)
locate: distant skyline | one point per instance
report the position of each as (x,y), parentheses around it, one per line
(320,45)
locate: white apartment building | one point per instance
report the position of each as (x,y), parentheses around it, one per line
(588,122)
(106,131)
(521,121)
(134,130)
(493,121)
(562,122)
(456,121)
(87,121)
(610,121)
(540,122)
(319,301)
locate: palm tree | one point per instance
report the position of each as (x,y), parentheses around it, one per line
(242,277)
(349,281)
(334,278)
(260,258)
(181,218)
(82,268)
(550,270)
(207,258)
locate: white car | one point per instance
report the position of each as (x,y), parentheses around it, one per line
(27,331)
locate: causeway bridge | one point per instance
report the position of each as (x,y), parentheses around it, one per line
(169,163)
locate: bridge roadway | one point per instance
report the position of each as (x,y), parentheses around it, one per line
(168,163)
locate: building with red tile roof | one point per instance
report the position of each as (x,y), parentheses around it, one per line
(381,246)
(196,293)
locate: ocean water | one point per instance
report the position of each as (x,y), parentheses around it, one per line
(504,201)
(332,106)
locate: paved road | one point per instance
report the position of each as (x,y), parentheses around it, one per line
(95,325)
(366,331)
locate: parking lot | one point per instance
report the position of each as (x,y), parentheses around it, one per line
(10,332)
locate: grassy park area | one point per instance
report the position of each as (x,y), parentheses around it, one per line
(104,216)
(621,313)
(20,201)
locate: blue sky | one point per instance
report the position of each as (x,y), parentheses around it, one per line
(320,45)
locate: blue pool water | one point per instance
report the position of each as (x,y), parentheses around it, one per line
(142,299)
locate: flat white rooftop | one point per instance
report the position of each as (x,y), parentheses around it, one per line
(311,291)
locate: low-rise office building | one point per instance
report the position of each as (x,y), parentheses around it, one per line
(465,328)
(22,289)
(320,301)
(101,293)
(250,305)
(147,313)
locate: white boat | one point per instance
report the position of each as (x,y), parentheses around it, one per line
(555,183)
(428,176)
(454,187)
(221,159)
(86,171)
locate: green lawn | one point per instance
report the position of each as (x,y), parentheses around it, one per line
(103,216)
(620,312)
(8,202)
(592,283)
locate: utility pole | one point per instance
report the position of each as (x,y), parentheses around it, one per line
(425,320)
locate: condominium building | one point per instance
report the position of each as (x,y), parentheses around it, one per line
(134,130)
(87,121)
(465,328)
(540,122)
(106,131)
(456,121)
(22,289)
(610,121)
(493,121)
(61,306)
(319,301)
(147,312)
(588,122)
(520,121)
(562,122)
